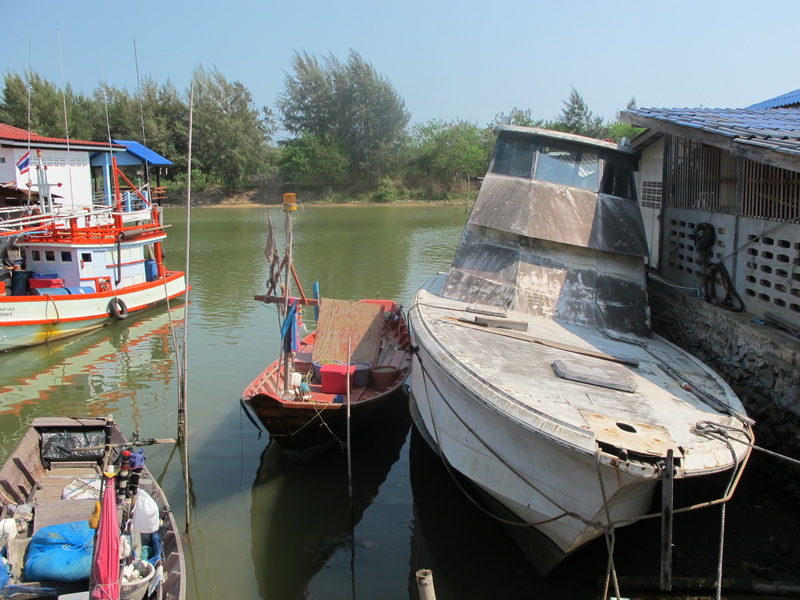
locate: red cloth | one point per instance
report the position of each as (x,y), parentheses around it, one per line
(105,566)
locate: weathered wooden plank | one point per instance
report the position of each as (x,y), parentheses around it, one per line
(55,512)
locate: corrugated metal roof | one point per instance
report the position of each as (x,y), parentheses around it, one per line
(783,100)
(16,134)
(143,153)
(769,135)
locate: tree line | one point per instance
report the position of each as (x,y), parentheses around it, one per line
(345,129)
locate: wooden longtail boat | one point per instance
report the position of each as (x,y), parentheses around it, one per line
(53,478)
(82,267)
(358,356)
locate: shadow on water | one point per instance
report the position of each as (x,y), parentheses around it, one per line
(301,514)
(453,536)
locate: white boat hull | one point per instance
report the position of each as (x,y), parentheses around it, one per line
(32,320)
(546,471)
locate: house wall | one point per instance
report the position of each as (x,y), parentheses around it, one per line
(70,169)
(648,180)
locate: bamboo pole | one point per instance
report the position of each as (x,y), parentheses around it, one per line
(666,523)
(289,206)
(183,436)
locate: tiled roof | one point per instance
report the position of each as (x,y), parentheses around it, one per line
(768,135)
(779,101)
(15,134)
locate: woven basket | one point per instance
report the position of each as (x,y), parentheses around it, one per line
(135,590)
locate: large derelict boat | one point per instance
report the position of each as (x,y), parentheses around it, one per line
(537,375)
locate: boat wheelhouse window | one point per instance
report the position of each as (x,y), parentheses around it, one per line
(86,256)
(513,156)
(66,256)
(570,166)
(36,255)
(49,256)
(618,178)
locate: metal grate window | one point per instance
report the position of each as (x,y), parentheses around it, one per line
(651,194)
(701,177)
(770,192)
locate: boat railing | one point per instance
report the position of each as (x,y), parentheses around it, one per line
(131,200)
(98,222)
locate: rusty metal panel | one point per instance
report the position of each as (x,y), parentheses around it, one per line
(543,278)
(641,438)
(561,214)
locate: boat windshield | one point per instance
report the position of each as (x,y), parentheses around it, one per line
(573,167)
(564,163)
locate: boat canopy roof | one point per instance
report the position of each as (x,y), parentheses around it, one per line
(135,154)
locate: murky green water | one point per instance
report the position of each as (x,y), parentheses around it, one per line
(261,528)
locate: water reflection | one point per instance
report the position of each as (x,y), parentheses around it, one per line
(301,514)
(453,536)
(100,366)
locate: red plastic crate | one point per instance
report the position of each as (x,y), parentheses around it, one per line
(334,378)
(45,283)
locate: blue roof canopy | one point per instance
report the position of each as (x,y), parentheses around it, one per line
(787,99)
(144,154)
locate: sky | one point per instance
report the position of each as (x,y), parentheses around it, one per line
(447,59)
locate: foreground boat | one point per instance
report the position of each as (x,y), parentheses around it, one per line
(337,376)
(538,377)
(50,487)
(80,268)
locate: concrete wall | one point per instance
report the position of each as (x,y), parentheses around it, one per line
(760,362)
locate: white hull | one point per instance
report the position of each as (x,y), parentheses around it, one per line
(31,320)
(536,443)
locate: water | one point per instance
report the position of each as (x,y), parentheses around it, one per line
(260,528)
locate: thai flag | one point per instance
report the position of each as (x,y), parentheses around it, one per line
(24,163)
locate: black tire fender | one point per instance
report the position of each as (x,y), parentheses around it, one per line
(117,308)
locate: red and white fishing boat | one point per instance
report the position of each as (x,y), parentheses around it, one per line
(81,267)
(327,384)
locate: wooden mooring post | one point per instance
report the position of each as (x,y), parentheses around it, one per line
(425,585)
(667,484)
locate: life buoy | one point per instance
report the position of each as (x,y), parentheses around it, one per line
(117,308)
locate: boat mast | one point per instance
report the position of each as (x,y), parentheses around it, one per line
(289,206)
(45,197)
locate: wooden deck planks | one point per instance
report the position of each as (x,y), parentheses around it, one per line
(56,512)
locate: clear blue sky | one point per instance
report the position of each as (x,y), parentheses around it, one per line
(447,59)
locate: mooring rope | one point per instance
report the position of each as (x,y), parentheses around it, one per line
(564,513)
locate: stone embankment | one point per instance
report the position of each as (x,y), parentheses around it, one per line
(759,361)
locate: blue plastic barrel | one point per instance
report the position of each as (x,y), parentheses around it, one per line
(150,270)
(20,282)
(85,289)
(60,291)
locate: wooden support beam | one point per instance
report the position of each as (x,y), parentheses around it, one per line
(667,487)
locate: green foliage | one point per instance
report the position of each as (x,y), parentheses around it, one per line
(454,151)
(577,118)
(520,117)
(349,128)
(387,190)
(308,161)
(618,130)
(347,105)
(230,133)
